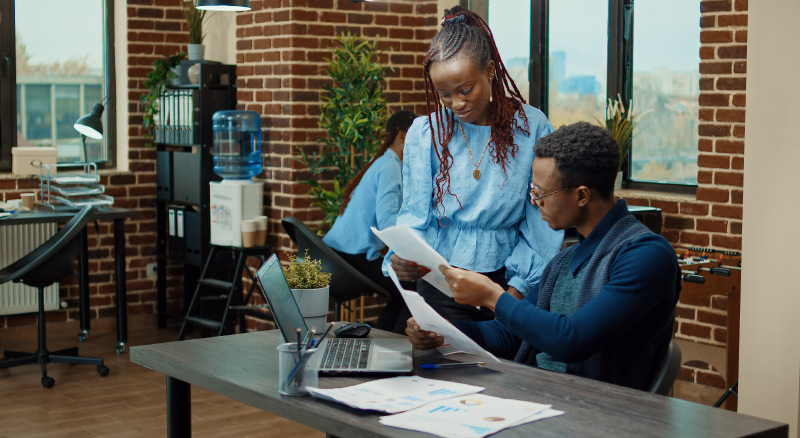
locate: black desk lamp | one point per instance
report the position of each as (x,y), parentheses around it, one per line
(223,5)
(90,126)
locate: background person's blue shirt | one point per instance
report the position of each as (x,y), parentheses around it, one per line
(497,226)
(374,203)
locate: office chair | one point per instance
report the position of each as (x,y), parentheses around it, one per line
(347,283)
(40,268)
(667,372)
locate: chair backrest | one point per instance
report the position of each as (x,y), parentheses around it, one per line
(346,282)
(667,372)
(46,251)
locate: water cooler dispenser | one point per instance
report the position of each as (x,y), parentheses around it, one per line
(237,159)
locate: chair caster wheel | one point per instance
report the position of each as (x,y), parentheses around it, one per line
(82,336)
(48,382)
(103,370)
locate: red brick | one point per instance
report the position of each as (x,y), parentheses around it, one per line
(732,20)
(715,6)
(712,194)
(720,302)
(739,99)
(740,67)
(714,99)
(712,225)
(694,209)
(729,179)
(741,36)
(695,330)
(716,68)
(705,144)
(713,161)
(708,21)
(737,197)
(694,239)
(665,206)
(706,84)
(726,242)
(721,335)
(684,312)
(732,84)
(736,228)
(712,318)
(704,177)
(737,163)
(729,146)
(706,114)
(740,5)
(708,130)
(728,211)
(716,36)
(710,379)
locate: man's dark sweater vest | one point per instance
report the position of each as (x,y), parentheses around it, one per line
(630,358)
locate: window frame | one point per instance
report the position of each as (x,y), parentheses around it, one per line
(619,77)
(8,85)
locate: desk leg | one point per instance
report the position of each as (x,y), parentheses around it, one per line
(179,408)
(121,286)
(83,285)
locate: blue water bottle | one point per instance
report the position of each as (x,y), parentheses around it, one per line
(237,144)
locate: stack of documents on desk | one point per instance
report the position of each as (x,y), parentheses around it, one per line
(470,416)
(396,394)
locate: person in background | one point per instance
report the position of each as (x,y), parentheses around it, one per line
(372,199)
(467,168)
(604,308)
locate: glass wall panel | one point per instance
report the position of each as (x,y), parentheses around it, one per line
(510,23)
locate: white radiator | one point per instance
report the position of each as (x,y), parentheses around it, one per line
(15,242)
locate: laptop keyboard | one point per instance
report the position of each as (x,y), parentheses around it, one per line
(346,353)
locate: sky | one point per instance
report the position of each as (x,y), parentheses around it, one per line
(665,32)
(77,25)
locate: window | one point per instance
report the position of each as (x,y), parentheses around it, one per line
(583,51)
(55,68)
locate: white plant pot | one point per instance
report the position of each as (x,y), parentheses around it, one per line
(313,304)
(196,52)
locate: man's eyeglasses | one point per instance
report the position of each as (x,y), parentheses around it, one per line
(537,196)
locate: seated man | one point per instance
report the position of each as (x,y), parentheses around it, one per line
(604,308)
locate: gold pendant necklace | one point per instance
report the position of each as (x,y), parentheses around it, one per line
(477,172)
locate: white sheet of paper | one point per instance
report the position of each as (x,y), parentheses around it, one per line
(408,245)
(455,341)
(470,416)
(395,394)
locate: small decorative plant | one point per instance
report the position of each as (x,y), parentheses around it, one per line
(621,122)
(353,113)
(195,19)
(156,84)
(306,273)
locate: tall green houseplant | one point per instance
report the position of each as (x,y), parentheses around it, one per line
(353,116)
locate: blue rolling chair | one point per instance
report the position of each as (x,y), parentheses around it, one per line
(667,372)
(347,283)
(42,267)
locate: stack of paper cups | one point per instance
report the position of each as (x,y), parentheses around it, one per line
(249,233)
(261,230)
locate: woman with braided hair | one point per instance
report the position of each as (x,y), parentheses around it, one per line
(372,199)
(468,166)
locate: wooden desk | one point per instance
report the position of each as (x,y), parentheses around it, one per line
(118,215)
(244,368)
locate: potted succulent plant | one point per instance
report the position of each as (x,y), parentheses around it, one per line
(310,287)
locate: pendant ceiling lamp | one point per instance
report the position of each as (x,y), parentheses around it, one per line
(224,5)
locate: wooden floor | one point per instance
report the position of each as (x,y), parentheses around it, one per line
(129,402)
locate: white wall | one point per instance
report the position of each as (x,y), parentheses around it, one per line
(769,356)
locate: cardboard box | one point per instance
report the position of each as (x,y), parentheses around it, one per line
(26,160)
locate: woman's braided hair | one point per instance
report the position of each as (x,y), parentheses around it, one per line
(464,33)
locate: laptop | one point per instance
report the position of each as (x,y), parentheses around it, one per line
(335,355)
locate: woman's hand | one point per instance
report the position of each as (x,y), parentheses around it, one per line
(407,270)
(422,339)
(471,287)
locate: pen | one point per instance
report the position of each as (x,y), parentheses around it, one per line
(430,366)
(315,342)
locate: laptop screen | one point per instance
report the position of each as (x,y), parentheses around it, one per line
(281,301)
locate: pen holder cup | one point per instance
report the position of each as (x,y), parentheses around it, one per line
(296,371)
